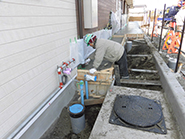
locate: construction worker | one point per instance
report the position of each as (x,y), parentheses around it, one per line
(109,50)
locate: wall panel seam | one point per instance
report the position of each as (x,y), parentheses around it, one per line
(37,36)
(16,3)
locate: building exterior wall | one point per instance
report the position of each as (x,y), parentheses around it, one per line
(34,39)
(104,8)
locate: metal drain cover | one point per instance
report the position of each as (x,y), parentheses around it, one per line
(138,112)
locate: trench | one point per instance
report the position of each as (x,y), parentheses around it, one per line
(141,67)
(140,58)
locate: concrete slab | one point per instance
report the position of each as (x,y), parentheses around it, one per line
(131,28)
(104,130)
(117,39)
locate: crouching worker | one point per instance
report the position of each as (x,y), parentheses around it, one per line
(109,50)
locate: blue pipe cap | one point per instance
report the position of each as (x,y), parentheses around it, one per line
(76,108)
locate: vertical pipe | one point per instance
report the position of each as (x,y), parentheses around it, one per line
(180,47)
(153,25)
(149,22)
(81,91)
(86,89)
(127,9)
(124,7)
(121,22)
(121,6)
(162,28)
(80,18)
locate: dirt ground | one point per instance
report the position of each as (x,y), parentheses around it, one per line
(62,128)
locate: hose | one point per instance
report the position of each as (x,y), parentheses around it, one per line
(64,79)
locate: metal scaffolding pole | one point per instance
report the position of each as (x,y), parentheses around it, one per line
(180,47)
(162,28)
(153,25)
(149,22)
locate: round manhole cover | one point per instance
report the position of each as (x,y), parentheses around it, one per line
(137,110)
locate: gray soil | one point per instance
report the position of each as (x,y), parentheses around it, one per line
(62,128)
(141,62)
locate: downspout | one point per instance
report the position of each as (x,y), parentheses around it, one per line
(37,113)
(127,9)
(121,14)
(124,7)
(80,18)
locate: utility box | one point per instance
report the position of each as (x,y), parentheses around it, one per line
(90,13)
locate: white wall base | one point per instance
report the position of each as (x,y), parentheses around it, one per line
(43,123)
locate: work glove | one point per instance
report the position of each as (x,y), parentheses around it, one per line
(92,71)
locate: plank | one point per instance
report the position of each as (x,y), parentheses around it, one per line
(135,35)
(132,18)
(124,40)
(129,55)
(88,102)
(140,82)
(118,36)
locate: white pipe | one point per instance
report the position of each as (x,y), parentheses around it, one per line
(36,114)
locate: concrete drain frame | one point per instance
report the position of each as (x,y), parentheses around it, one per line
(139,113)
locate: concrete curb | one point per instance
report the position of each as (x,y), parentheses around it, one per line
(174,92)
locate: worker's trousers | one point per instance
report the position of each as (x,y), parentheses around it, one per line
(123,68)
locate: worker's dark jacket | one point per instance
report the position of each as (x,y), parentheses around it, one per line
(107,49)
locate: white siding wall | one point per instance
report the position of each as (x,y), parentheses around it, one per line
(34,39)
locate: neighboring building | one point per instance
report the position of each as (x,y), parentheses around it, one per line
(34,39)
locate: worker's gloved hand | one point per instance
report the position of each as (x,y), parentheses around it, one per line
(92,71)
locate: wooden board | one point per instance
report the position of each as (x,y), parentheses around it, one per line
(102,76)
(103,82)
(124,40)
(135,18)
(140,82)
(88,102)
(145,25)
(138,36)
(129,36)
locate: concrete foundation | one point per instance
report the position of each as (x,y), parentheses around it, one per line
(104,130)
(49,117)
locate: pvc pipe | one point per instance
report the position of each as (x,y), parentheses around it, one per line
(86,90)
(144,70)
(36,114)
(81,91)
